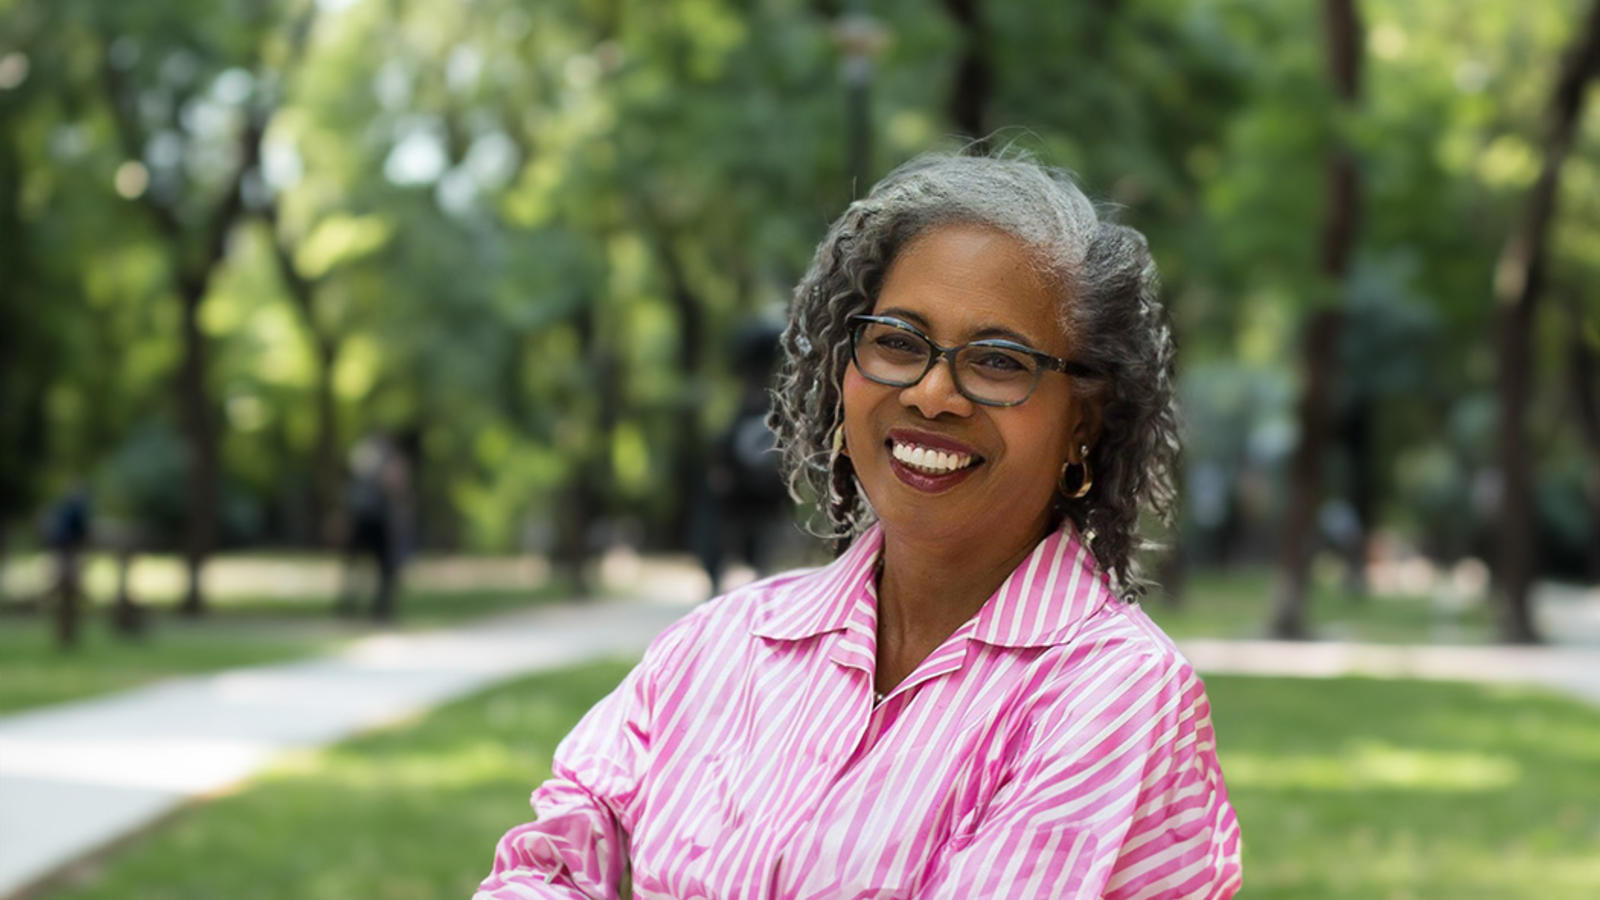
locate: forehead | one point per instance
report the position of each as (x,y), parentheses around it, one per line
(966,281)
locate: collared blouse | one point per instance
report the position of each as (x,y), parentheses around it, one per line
(1056,745)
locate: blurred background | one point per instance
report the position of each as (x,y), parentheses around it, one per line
(314,313)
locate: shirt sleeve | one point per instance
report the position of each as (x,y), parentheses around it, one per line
(578,845)
(1118,796)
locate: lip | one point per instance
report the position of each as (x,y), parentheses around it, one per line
(929,484)
(922,481)
(928,439)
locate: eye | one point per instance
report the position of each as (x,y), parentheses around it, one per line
(898,342)
(1000,363)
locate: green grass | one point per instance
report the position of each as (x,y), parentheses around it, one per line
(1238,604)
(35,672)
(239,631)
(1362,788)
(1346,789)
(402,814)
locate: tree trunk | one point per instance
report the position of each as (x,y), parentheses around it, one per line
(1322,334)
(575,513)
(974,80)
(689,457)
(199,431)
(1519,284)
(195,253)
(127,616)
(326,511)
(69,595)
(1363,490)
(1584,367)
(1305,476)
(325,461)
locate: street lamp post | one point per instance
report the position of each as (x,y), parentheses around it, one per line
(861,39)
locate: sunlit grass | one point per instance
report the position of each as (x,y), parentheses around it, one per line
(1237,603)
(242,631)
(407,813)
(1360,788)
(1346,789)
(35,672)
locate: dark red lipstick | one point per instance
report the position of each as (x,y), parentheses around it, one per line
(927,482)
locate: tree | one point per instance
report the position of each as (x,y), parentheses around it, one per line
(194,219)
(972,86)
(1322,332)
(1519,284)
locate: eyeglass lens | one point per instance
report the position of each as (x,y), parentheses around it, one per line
(987,374)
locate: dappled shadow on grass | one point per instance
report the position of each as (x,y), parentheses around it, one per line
(411,812)
(1362,788)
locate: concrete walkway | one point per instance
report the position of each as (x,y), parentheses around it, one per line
(1574,671)
(79,776)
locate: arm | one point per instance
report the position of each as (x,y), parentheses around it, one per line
(578,846)
(1118,796)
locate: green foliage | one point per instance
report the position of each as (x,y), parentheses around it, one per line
(528,231)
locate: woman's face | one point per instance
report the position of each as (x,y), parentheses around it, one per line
(960,283)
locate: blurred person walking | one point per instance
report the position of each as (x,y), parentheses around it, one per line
(378,516)
(66,533)
(743,494)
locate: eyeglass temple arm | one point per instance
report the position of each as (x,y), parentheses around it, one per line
(1068,366)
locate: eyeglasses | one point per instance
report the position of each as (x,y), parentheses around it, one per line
(991,372)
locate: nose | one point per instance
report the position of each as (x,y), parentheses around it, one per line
(936,393)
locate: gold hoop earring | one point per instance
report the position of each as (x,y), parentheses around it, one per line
(834,495)
(1086,482)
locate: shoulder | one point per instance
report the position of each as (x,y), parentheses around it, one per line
(730,620)
(1119,676)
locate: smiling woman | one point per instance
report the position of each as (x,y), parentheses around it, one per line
(966,703)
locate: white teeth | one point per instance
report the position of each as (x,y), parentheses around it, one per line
(929,459)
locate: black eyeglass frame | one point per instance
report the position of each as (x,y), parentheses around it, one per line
(859,323)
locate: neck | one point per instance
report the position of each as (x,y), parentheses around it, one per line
(927,589)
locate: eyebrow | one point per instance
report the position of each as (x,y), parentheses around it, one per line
(983,333)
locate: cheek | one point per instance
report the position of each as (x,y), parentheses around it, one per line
(858,396)
(1039,446)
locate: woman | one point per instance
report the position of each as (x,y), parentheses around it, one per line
(978,379)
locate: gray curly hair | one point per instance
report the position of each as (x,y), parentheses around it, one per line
(1108,286)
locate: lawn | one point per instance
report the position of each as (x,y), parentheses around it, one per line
(1237,603)
(1348,788)
(246,628)
(238,631)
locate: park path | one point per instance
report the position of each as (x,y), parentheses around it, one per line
(80,776)
(1574,671)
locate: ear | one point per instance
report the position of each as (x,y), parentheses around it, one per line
(1086,425)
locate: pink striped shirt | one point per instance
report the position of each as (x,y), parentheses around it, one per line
(1056,745)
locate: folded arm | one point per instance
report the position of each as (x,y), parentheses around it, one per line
(578,845)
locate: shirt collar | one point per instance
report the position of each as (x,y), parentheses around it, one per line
(821,600)
(1044,601)
(1047,598)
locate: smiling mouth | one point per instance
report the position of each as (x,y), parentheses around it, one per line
(930,460)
